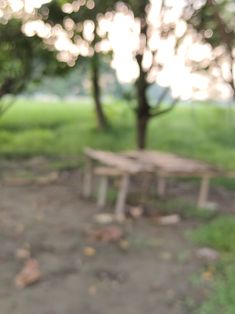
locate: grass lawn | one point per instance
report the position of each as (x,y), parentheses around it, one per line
(63,129)
(220,235)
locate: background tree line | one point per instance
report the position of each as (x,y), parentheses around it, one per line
(24,59)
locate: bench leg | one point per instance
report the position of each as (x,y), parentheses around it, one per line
(204,189)
(144,188)
(87,183)
(161,187)
(122,195)
(102,193)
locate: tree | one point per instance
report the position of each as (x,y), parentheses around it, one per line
(69,14)
(71,19)
(145,110)
(214,22)
(22,60)
(16,62)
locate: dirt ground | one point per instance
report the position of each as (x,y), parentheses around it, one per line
(154,274)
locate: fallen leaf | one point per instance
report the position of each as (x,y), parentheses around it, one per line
(89,251)
(107,234)
(29,275)
(169,220)
(207,275)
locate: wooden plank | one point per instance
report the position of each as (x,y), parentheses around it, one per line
(88,177)
(122,163)
(102,192)
(173,164)
(161,187)
(122,195)
(204,189)
(145,184)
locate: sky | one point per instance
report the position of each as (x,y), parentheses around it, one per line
(123,38)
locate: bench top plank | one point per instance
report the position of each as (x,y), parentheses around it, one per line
(122,163)
(174,164)
(134,162)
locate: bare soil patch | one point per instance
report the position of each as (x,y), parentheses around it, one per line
(152,274)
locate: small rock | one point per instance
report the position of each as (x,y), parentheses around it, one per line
(136,212)
(104,218)
(207,254)
(169,220)
(22,254)
(92,290)
(166,256)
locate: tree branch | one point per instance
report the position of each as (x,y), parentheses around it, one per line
(171,107)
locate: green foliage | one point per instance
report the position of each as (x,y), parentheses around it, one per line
(56,14)
(138,7)
(15,58)
(214,20)
(217,20)
(220,234)
(22,60)
(228,183)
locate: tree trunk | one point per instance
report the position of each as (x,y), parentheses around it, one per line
(96,92)
(143,107)
(142,112)
(142,127)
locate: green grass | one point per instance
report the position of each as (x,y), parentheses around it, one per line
(220,235)
(63,129)
(223,297)
(186,209)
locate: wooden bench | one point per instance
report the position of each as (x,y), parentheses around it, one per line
(171,165)
(106,165)
(124,165)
